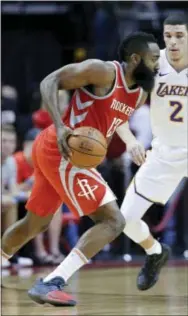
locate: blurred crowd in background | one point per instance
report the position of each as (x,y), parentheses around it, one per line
(38,38)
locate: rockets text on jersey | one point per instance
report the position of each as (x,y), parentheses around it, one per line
(103,113)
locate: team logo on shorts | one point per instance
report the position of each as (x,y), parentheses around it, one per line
(86,189)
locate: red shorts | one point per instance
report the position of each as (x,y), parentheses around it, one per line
(57,181)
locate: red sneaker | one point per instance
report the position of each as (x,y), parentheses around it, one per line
(51,292)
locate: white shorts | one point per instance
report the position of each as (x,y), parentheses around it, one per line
(158,177)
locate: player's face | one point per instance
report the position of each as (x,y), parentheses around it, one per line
(176,40)
(145,72)
(8,144)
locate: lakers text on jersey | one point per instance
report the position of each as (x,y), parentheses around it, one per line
(169,105)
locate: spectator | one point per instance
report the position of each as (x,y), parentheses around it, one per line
(9,104)
(41,118)
(105,31)
(9,188)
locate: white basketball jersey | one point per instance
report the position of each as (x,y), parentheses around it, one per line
(169,105)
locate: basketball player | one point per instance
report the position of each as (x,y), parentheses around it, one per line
(166,164)
(106,95)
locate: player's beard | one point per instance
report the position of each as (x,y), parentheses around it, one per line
(144,77)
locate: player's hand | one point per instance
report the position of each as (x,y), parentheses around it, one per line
(137,152)
(63,133)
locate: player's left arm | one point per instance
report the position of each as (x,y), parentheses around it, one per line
(143,99)
(134,147)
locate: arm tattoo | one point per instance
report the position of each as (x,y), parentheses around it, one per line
(49,91)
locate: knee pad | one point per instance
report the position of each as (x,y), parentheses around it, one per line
(134,206)
(137,231)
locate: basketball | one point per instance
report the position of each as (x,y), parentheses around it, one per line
(88,147)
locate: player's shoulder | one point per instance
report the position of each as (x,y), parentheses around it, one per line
(98,63)
(100,69)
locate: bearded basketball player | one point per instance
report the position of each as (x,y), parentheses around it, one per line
(106,95)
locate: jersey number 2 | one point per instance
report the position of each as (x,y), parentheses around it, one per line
(175,117)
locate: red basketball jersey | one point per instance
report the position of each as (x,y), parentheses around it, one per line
(103,113)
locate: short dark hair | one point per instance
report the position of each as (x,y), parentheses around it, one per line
(175,19)
(135,43)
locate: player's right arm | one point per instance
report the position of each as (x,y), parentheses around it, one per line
(71,77)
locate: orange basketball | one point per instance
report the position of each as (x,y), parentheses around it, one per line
(88,147)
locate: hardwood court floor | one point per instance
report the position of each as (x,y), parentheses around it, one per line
(106,291)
